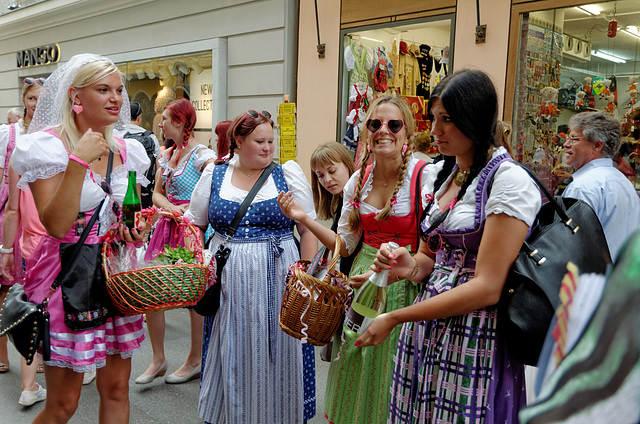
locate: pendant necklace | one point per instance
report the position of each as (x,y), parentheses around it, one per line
(461,177)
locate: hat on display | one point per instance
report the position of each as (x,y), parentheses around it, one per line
(424,50)
(445,56)
(404,48)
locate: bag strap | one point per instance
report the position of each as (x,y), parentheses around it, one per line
(552,200)
(85,233)
(247,200)
(418,200)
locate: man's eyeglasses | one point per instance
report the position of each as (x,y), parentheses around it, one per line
(394,125)
(31,81)
(572,140)
(254,114)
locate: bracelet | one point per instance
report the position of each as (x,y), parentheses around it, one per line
(415,271)
(80,161)
(3,250)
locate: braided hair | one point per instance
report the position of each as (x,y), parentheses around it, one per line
(182,112)
(471,101)
(407,116)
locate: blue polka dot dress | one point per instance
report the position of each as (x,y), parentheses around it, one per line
(252,371)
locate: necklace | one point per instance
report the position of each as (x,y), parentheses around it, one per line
(242,172)
(381,180)
(461,177)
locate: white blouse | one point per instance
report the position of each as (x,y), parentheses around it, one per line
(4,139)
(513,192)
(402,207)
(296,181)
(41,155)
(201,156)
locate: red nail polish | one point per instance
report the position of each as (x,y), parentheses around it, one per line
(356,344)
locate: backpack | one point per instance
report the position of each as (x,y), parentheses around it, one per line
(149,146)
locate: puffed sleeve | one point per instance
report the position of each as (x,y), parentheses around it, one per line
(349,59)
(4,142)
(514,193)
(350,238)
(38,156)
(198,211)
(137,160)
(299,186)
(203,155)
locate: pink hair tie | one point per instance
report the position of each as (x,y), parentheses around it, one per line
(393,202)
(428,197)
(355,204)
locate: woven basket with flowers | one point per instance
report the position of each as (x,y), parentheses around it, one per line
(176,279)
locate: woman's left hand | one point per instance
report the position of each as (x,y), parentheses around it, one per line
(133,235)
(377,331)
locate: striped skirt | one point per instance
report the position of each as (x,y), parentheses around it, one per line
(253,370)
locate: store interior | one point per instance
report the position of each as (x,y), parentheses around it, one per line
(572,60)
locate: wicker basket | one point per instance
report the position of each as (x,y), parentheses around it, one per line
(312,309)
(158,288)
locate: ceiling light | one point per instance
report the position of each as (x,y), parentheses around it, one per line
(632,30)
(589,9)
(372,39)
(607,56)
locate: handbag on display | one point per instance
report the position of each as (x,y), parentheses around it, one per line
(210,302)
(564,230)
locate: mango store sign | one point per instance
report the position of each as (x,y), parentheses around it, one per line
(201,97)
(42,55)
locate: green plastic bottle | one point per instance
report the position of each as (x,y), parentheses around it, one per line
(131,206)
(368,303)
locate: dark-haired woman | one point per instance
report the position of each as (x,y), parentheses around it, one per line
(451,363)
(181,166)
(252,371)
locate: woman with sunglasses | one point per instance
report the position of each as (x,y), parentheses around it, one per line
(252,371)
(379,203)
(451,360)
(19,216)
(181,166)
(64,159)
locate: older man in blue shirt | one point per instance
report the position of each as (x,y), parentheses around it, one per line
(594,138)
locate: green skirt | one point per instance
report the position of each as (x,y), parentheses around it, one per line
(359,379)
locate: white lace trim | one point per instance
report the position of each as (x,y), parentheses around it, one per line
(40,172)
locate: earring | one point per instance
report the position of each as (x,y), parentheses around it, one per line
(404,149)
(78,109)
(368,148)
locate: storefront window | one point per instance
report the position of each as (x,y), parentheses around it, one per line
(572,60)
(155,82)
(408,59)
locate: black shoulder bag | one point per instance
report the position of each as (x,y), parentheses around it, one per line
(564,230)
(85,297)
(210,302)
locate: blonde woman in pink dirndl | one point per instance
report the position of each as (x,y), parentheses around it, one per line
(64,159)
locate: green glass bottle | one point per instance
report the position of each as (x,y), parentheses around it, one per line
(368,303)
(131,205)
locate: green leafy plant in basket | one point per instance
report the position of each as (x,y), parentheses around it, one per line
(175,255)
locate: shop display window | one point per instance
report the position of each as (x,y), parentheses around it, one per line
(155,82)
(408,59)
(572,60)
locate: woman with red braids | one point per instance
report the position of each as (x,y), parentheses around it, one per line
(181,166)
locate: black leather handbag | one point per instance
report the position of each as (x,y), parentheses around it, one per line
(26,323)
(209,304)
(564,230)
